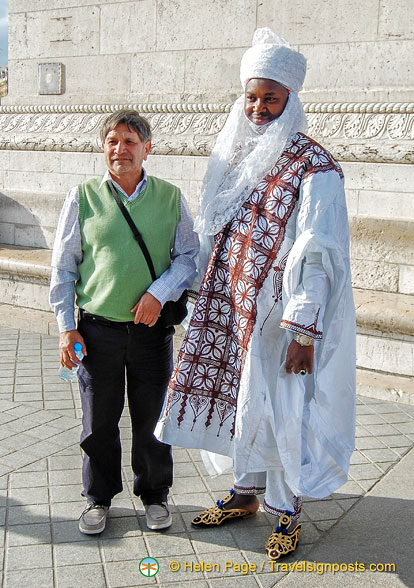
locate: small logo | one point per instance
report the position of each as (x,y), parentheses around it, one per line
(148,566)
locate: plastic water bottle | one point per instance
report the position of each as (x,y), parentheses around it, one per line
(67,374)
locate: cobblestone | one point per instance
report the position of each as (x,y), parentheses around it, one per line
(40,491)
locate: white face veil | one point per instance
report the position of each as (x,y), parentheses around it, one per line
(244,152)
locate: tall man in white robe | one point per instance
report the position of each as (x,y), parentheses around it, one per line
(266,373)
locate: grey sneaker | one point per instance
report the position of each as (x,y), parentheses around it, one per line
(93,519)
(158,516)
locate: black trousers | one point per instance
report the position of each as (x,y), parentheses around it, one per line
(144,355)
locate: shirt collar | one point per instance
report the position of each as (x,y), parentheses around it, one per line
(138,188)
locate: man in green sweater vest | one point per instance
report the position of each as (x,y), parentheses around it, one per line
(97,261)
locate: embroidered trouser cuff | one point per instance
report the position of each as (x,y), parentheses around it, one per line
(278,496)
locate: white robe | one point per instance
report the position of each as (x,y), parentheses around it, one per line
(303,424)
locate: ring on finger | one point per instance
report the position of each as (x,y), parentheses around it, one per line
(302,372)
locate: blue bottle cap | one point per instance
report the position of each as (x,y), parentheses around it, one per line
(77,347)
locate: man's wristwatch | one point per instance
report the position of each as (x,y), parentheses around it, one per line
(303,340)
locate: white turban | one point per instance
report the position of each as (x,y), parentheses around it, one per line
(271,57)
(244,152)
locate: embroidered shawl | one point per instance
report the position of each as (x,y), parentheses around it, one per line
(206,379)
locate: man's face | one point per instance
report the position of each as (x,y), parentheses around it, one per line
(264,100)
(124,151)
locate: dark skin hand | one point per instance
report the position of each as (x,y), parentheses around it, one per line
(299,357)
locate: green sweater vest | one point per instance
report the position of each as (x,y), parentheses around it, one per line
(113,273)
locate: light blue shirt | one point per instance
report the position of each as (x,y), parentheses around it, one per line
(67,254)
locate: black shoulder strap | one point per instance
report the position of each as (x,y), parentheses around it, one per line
(137,234)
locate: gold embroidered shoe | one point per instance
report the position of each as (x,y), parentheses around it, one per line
(218,514)
(281,541)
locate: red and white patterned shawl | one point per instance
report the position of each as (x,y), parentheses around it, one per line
(206,379)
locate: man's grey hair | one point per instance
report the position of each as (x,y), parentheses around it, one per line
(132,119)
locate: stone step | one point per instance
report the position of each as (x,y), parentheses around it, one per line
(24,276)
(28,319)
(385,386)
(385,339)
(25,261)
(383,312)
(382,249)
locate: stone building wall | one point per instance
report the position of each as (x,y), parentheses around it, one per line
(147,51)
(177,61)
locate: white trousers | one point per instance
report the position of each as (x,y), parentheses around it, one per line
(278,496)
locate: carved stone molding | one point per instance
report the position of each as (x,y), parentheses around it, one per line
(367,135)
(311,107)
(367,132)
(108,108)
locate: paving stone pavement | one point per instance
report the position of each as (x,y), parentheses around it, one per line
(40,485)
